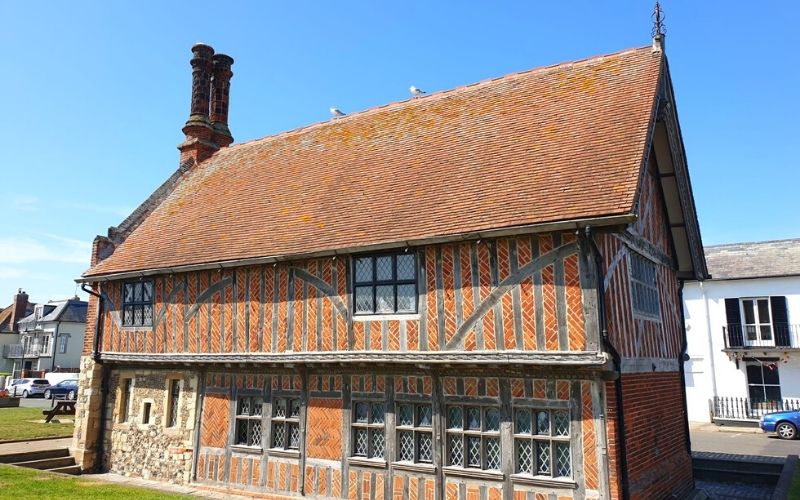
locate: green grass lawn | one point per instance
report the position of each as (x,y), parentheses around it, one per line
(19,483)
(20,423)
(794,490)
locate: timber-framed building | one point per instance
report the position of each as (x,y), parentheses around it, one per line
(470,294)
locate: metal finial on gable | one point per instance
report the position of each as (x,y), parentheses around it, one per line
(659,29)
(658,21)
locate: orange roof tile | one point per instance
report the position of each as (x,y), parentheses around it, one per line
(556,143)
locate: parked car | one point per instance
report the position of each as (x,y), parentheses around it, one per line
(783,423)
(66,388)
(27,387)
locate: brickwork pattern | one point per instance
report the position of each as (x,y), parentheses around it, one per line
(477,296)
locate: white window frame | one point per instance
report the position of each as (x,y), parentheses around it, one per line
(757,327)
(62,343)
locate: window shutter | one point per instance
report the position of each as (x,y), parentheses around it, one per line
(734,317)
(780,321)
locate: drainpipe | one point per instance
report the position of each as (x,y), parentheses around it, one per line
(616,358)
(55,342)
(105,375)
(682,358)
(710,338)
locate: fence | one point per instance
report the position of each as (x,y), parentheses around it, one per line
(723,408)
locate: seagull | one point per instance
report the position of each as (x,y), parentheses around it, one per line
(336,112)
(415,91)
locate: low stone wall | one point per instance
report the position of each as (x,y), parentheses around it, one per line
(152,450)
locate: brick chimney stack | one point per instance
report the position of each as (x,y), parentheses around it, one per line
(18,309)
(206,134)
(220,96)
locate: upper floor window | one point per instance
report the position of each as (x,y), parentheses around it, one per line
(137,303)
(286,423)
(644,287)
(385,283)
(415,432)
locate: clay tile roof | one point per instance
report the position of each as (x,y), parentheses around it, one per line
(754,260)
(550,144)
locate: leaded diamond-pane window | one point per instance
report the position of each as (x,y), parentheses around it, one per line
(174,400)
(644,287)
(414,432)
(285,423)
(473,437)
(137,303)
(369,437)
(385,283)
(248,421)
(546,450)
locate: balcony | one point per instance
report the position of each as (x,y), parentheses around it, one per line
(746,409)
(777,336)
(17,351)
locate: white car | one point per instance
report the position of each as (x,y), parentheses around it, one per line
(27,387)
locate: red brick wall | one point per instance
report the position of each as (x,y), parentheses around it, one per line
(658,463)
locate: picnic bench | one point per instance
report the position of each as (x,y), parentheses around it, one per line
(60,408)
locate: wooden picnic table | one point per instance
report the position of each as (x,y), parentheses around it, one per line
(61,408)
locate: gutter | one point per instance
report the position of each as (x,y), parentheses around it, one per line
(574,225)
(612,351)
(105,375)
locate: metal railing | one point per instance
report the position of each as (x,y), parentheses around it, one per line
(724,408)
(11,351)
(774,335)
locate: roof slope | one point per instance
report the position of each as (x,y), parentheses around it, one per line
(5,317)
(551,144)
(754,260)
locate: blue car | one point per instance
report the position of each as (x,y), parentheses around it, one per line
(67,389)
(783,423)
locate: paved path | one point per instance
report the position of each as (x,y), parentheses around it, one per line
(709,437)
(25,446)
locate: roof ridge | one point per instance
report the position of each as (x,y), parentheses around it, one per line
(437,94)
(741,243)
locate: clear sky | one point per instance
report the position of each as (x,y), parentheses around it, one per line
(93,96)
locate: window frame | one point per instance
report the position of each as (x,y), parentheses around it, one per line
(140,304)
(370,427)
(535,439)
(758,324)
(639,284)
(289,420)
(415,429)
(173,402)
(466,434)
(62,343)
(254,414)
(394,282)
(762,385)
(126,398)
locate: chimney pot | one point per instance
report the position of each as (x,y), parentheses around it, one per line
(18,309)
(199,143)
(220,98)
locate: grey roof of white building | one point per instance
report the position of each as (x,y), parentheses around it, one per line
(759,259)
(71,310)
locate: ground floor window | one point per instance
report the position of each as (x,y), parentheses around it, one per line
(541,442)
(763,382)
(415,432)
(473,437)
(248,420)
(286,423)
(369,419)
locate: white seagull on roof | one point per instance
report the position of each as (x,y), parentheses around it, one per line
(336,112)
(415,91)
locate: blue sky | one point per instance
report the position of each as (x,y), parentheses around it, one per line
(94,95)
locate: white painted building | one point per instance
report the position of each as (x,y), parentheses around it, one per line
(743,331)
(51,338)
